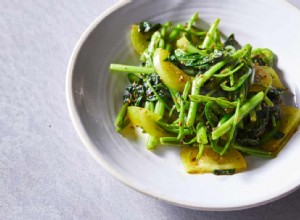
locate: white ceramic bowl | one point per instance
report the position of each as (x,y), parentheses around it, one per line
(94,97)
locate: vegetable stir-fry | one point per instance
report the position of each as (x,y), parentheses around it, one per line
(217,99)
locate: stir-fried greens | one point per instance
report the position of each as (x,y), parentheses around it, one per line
(216,98)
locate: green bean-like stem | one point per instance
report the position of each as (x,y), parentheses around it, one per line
(197,83)
(193,19)
(163,31)
(175,32)
(149,106)
(174,128)
(244,110)
(181,113)
(175,95)
(121,115)
(228,72)
(192,32)
(208,40)
(240,82)
(202,140)
(157,95)
(254,151)
(160,110)
(222,102)
(170,141)
(131,69)
(154,43)
(200,151)
(200,80)
(231,137)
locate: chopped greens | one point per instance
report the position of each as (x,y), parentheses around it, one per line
(217,99)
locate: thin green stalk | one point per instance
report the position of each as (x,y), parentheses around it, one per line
(175,33)
(160,110)
(154,43)
(228,72)
(244,110)
(121,115)
(170,141)
(239,83)
(193,105)
(200,80)
(254,151)
(232,133)
(200,151)
(157,95)
(208,40)
(182,110)
(162,41)
(191,22)
(175,96)
(222,102)
(131,69)
(149,106)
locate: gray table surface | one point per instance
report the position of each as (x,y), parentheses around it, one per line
(45,171)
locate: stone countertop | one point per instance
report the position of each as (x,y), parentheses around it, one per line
(45,171)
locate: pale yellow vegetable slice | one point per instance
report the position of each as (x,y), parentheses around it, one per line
(170,74)
(275,78)
(146,119)
(289,122)
(265,77)
(182,43)
(211,161)
(139,41)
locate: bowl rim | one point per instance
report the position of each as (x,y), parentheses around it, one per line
(76,121)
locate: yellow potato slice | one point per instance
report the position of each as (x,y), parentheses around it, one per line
(146,119)
(265,77)
(139,41)
(170,74)
(211,162)
(289,122)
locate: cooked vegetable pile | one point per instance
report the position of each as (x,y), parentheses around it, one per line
(215,98)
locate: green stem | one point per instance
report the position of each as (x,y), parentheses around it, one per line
(222,102)
(181,113)
(131,69)
(170,141)
(191,22)
(232,134)
(244,110)
(208,40)
(254,151)
(200,80)
(157,95)
(160,110)
(121,115)
(175,32)
(228,72)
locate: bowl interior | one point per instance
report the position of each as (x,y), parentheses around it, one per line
(95,96)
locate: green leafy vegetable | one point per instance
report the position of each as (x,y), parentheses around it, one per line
(217,98)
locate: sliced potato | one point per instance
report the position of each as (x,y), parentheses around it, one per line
(182,43)
(265,77)
(211,162)
(139,41)
(145,119)
(289,122)
(170,74)
(275,78)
